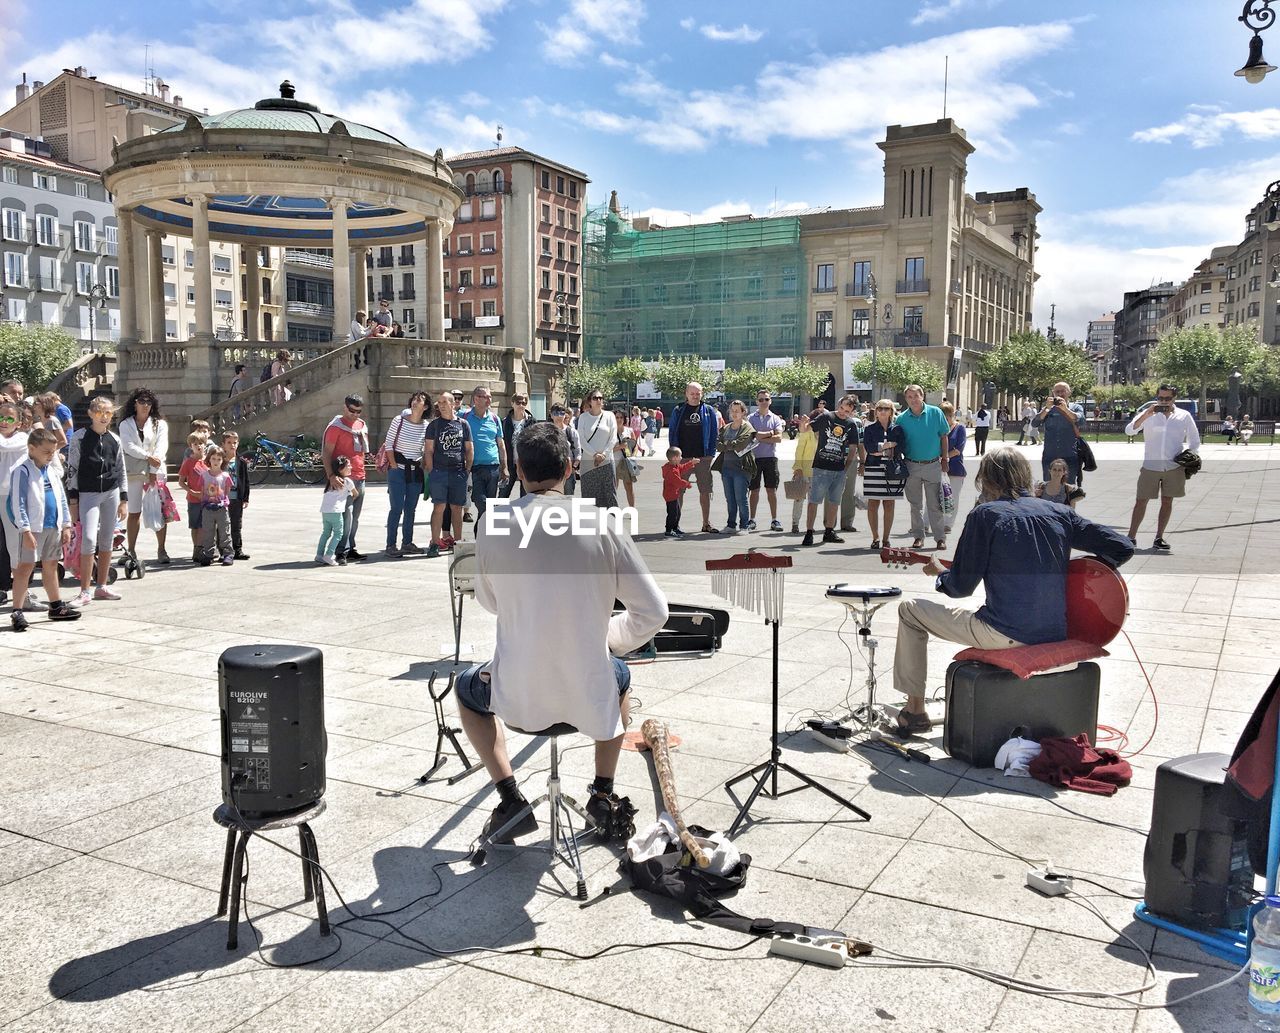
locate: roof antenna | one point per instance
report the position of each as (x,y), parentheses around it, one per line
(946,75)
(146,64)
(498,142)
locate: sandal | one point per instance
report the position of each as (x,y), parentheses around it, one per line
(908,724)
(875,543)
(941,543)
(918,543)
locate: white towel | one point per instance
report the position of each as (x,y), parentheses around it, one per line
(1015,756)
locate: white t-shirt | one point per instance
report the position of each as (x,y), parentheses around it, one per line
(335,499)
(554,600)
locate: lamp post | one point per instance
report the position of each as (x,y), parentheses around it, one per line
(97,300)
(871,302)
(1257,15)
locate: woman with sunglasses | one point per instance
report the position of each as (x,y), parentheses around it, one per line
(883,441)
(144,436)
(598,432)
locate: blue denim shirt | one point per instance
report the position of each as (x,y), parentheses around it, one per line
(1018,550)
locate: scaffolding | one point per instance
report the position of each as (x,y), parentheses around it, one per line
(730,290)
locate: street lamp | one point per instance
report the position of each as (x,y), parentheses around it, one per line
(871,302)
(1257,15)
(98,300)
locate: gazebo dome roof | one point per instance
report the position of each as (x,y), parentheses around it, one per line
(289,115)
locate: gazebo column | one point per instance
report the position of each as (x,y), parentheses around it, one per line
(362,279)
(128,280)
(203,272)
(253,292)
(155,287)
(342,310)
(433,289)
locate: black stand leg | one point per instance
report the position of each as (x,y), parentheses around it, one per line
(316,876)
(457,628)
(305,850)
(768,771)
(227,857)
(237,881)
(445,731)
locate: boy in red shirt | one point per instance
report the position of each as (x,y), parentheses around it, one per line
(191,478)
(674,483)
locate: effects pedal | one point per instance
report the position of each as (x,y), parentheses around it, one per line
(805,948)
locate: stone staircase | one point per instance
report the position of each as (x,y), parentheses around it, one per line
(90,375)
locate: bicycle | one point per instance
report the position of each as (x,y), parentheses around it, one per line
(302,461)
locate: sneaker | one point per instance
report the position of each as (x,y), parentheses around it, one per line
(83,598)
(328,561)
(466,517)
(829,537)
(808,538)
(393,553)
(353,556)
(669,534)
(206,563)
(195,556)
(795,528)
(751,525)
(63,611)
(410,549)
(162,558)
(612,815)
(447,543)
(340,559)
(103,592)
(503,813)
(732,529)
(433,551)
(678,533)
(240,555)
(19,620)
(1161,544)
(775,525)
(34,604)
(228,559)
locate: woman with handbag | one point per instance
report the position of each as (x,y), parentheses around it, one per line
(956,472)
(881,483)
(144,437)
(598,432)
(625,467)
(401,458)
(736,465)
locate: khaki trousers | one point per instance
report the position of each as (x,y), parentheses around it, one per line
(920,618)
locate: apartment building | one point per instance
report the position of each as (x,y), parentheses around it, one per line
(1137,331)
(1100,339)
(1201,298)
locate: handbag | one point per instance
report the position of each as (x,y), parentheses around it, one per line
(946,497)
(796,489)
(168,508)
(383,462)
(1084,454)
(598,484)
(152,509)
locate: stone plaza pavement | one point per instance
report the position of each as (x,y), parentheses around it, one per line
(109,772)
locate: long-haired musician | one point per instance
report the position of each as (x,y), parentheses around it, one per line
(1017,547)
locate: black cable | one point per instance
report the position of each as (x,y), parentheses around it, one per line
(257,936)
(1055,803)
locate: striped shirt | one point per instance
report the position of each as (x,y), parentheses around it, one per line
(406,437)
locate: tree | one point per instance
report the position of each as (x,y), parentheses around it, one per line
(743,383)
(898,369)
(1127,396)
(628,372)
(1028,365)
(799,377)
(35,354)
(1203,357)
(584,377)
(671,374)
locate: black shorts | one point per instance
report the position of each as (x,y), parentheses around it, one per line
(767,468)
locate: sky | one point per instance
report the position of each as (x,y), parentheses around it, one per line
(1122,116)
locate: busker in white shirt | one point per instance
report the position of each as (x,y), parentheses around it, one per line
(1166,431)
(553,595)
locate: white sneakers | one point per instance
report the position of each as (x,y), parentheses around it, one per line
(101,593)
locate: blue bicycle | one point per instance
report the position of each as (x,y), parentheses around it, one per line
(299,459)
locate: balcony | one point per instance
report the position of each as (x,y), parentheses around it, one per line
(296,257)
(460,323)
(48,284)
(409,259)
(385,262)
(913,287)
(857,341)
(977,347)
(485,189)
(822,344)
(905,339)
(487,283)
(825,288)
(310,309)
(408,295)
(857,289)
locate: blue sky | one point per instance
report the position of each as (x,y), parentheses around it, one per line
(1123,117)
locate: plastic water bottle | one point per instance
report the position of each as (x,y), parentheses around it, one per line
(1264,967)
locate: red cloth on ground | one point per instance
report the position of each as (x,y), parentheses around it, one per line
(1077,764)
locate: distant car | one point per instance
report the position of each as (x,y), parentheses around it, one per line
(1190,404)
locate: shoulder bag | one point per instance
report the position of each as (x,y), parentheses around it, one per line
(1084,454)
(383,462)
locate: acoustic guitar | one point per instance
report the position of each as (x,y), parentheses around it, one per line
(1097,597)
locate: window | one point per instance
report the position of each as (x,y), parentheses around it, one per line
(861,282)
(47,230)
(488,243)
(559,184)
(170,289)
(788,279)
(826,281)
(82,189)
(754,331)
(388,291)
(787,331)
(86,236)
(1204,308)
(166,251)
(489,276)
(222,299)
(490,339)
(546,312)
(15,269)
(112,234)
(546,279)
(464,277)
(560,250)
(914,272)
(464,245)
(546,214)
(189,259)
(913,319)
(573,220)
(546,181)
(44,182)
(406,254)
(488,308)
(861,325)
(1206,287)
(573,252)
(408,317)
(823,327)
(560,217)
(85,278)
(113,281)
(171,329)
(221,263)
(573,188)
(13,225)
(191,295)
(573,285)
(660,293)
(488,208)
(10,174)
(464,213)
(546,246)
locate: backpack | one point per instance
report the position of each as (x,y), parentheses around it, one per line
(266,373)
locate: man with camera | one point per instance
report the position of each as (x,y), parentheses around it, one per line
(1058,420)
(1166,431)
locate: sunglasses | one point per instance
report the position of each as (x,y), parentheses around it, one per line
(355,409)
(8,419)
(596,398)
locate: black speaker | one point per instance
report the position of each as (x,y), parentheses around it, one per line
(273,737)
(1196,863)
(985,704)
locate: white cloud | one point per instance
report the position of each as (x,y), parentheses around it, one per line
(587,23)
(716,212)
(742,34)
(939,11)
(826,99)
(688,24)
(1206,125)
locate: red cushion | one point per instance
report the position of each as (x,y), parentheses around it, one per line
(1025,661)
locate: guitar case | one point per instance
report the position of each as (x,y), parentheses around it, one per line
(689,629)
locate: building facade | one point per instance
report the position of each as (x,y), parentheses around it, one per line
(58,234)
(1137,331)
(1099,342)
(1201,298)
(1253,277)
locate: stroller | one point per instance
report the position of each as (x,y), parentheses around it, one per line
(70,564)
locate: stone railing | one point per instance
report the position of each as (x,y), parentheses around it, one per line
(258,354)
(435,355)
(157,356)
(80,377)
